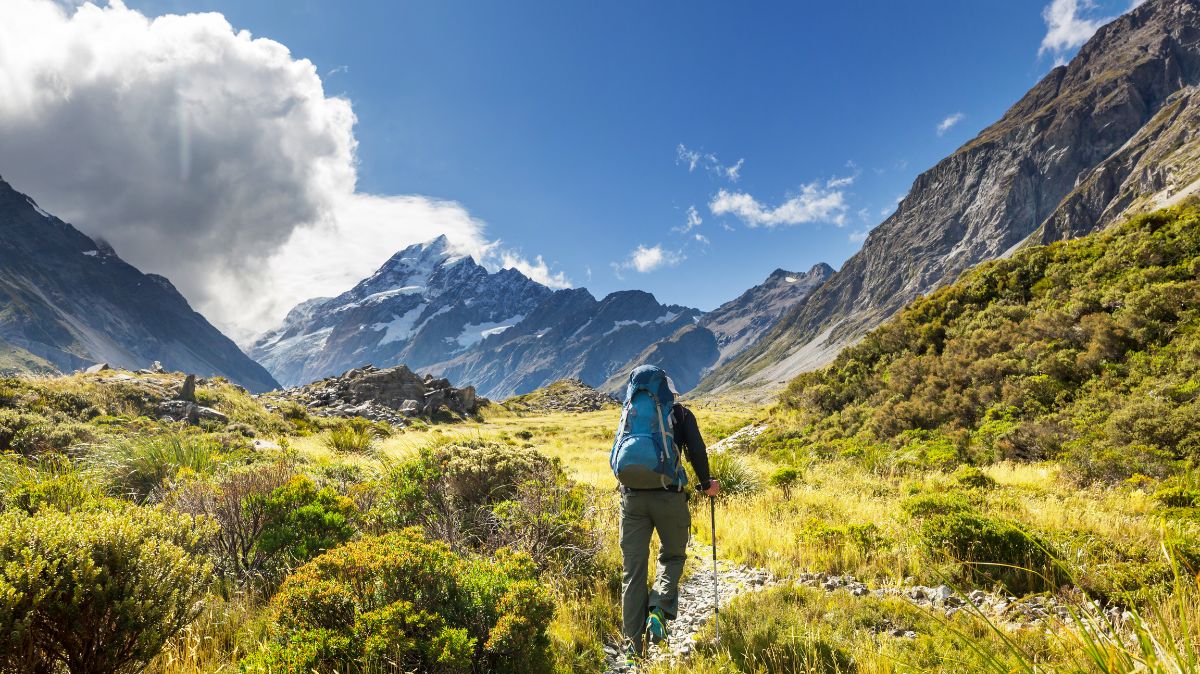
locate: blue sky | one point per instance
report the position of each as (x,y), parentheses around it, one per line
(571,129)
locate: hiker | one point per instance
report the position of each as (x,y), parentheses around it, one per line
(654,497)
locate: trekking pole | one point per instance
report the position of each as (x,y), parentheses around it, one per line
(712,508)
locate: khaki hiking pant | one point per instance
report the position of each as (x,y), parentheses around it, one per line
(642,513)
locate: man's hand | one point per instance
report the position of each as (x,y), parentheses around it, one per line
(714,487)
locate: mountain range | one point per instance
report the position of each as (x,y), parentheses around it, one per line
(441,312)
(67,302)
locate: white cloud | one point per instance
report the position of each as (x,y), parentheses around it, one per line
(203,154)
(734,173)
(538,270)
(949,123)
(645,259)
(694,159)
(701,239)
(693,221)
(859,236)
(1067,27)
(814,203)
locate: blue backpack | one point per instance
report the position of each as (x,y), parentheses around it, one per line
(644,455)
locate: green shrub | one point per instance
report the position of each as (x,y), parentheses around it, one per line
(483,496)
(96,591)
(403,603)
(988,550)
(921,506)
(785,478)
(973,478)
(269,518)
(1178,497)
(734,473)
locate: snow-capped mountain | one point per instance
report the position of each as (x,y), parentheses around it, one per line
(442,313)
(424,305)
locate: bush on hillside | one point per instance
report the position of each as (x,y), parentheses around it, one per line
(400,602)
(1086,351)
(483,496)
(269,518)
(991,551)
(96,591)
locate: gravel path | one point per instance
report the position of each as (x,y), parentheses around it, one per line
(696,603)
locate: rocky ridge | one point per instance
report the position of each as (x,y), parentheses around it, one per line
(68,301)
(1111,131)
(394,395)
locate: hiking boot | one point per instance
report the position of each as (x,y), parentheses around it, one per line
(632,658)
(656,626)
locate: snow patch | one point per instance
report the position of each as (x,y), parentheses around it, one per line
(37,208)
(400,327)
(91,253)
(791,279)
(473,333)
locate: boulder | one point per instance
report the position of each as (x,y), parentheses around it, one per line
(188,392)
(98,367)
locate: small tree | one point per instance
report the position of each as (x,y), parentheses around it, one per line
(96,592)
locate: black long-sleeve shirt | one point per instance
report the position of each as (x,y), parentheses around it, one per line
(687,436)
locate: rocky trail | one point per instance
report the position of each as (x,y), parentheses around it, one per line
(696,604)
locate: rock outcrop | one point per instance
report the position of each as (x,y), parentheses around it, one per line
(1112,129)
(564,395)
(393,395)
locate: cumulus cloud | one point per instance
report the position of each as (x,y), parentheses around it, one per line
(644,260)
(1067,27)
(708,161)
(859,236)
(537,270)
(203,154)
(949,123)
(815,202)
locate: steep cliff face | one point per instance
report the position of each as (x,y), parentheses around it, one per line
(67,301)
(1077,150)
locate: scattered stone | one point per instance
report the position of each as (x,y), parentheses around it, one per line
(184,410)
(157,368)
(564,395)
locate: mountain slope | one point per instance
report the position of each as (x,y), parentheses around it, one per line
(69,301)
(570,335)
(1086,350)
(1046,169)
(723,333)
(424,305)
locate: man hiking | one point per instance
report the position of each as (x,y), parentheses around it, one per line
(653,434)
